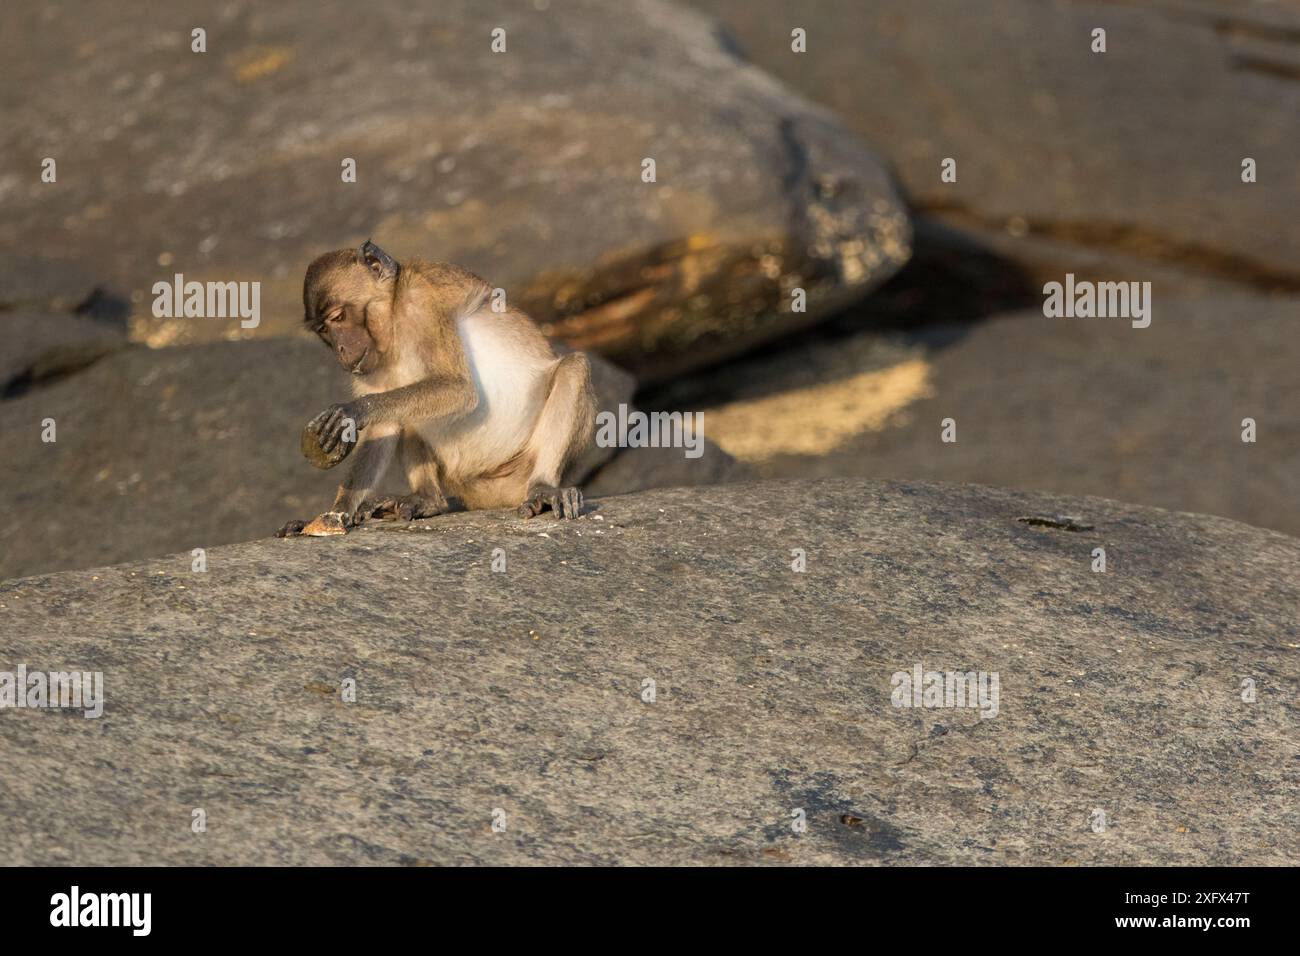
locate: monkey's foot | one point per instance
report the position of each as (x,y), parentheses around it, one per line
(563,502)
(403,508)
(291,529)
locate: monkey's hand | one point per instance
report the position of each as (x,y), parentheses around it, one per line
(332,435)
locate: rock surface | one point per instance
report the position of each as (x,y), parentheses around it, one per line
(638,469)
(523,691)
(53,320)
(43,284)
(179,448)
(43,345)
(1074,406)
(524,166)
(1138,149)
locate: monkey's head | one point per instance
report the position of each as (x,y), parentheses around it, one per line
(347,300)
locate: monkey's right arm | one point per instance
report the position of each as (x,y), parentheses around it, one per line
(440,396)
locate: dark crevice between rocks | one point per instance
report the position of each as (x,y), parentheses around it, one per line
(1257,28)
(1058,522)
(44,373)
(1279,69)
(1129,240)
(951,280)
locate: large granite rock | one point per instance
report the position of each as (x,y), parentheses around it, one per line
(170,449)
(1121,735)
(1138,149)
(525,166)
(1075,406)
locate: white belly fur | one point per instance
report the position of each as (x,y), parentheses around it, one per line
(511,385)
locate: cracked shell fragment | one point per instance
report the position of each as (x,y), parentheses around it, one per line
(332,522)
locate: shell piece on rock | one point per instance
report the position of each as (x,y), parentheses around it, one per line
(332,522)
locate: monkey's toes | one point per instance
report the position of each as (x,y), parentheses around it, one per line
(418,506)
(404,508)
(563,502)
(571,499)
(291,529)
(372,508)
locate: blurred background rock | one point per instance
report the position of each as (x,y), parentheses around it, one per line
(1122,166)
(775,170)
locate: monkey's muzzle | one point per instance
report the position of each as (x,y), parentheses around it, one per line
(318,456)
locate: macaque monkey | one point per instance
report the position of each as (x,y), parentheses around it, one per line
(472,402)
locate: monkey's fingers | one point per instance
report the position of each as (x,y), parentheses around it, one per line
(315,453)
(291,529)
(328,427)
(330,435)
(317,423)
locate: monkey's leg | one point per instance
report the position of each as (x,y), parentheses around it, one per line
(369,462)
(563,431)
(426,499)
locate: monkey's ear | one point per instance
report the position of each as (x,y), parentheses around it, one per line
(377,261)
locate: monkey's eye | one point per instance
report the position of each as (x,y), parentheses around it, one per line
(334,318)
